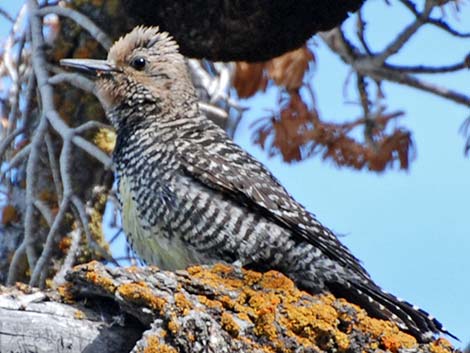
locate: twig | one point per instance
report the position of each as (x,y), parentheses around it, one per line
(434,21)
(82,217)
(64,161)
(69,260)
(377,70)
(28,103)
(6,15)
(93,151)
(405,35)
(7,56)
(49,245)
(75,80)
(15,90)
(92,124)
(81,20)
(403,78)
(44,210)
(54,166)
(31,171)
(360,32)
(14,264)
(8,140)
(423,69)
(19,157)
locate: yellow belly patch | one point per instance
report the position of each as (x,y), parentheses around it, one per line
(150,244)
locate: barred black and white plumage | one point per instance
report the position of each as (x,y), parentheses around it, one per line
(190,195)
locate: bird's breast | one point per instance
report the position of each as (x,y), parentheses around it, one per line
(150,238)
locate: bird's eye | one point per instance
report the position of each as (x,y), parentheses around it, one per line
(138,63)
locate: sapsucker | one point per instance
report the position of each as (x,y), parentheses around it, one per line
(190,195)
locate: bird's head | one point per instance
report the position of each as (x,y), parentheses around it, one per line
(144,66)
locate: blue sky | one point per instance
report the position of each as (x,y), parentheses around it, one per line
(411,229)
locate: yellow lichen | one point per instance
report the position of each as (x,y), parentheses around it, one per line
(182,303)
(386,334)
(79,315)
(173,325)
(276,281)
(105,139)
(209,303)
(441,345)
(229,324)
(139,292)
(95,278)
(65,291)
(154,345)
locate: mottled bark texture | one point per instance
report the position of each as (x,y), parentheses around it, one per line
(203,309)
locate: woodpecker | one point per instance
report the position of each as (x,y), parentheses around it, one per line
(190,195)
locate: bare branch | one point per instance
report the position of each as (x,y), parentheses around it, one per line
(81,20)
(18,158)
(14,264)
(434,21)
(93,151)
(69,260)
(45,211)
(8,140)
(75,80)
(6,15)
(54,166)
(405,35)
(360,32)
(369,66)
(49,245)
(423,69)
(31,170)
(92,124)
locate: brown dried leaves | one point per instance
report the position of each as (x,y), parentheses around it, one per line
(297,132)
(286,70)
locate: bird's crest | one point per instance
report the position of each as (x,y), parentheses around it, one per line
(143,37)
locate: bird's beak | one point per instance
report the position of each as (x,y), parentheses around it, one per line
(90,66)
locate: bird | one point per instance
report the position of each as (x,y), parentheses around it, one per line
(190,195)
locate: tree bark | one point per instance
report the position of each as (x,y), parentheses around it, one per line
(203,309)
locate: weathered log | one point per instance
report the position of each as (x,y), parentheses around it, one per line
(203,309)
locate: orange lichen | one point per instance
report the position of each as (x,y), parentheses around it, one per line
(276,281)
(229,324)
(79,315)
(219,275)
(385,334)
(441,345)
(244,316)
(251,277)
(23,287)
(279,317)
(314,322)
(139,292)
(182,303)
(173,325)
(154,345)
(64,244)
(209,303)
(95,278)
(65,291)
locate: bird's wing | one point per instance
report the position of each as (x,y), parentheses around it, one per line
(224,166)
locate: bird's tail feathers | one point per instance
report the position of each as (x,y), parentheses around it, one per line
(383,305)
